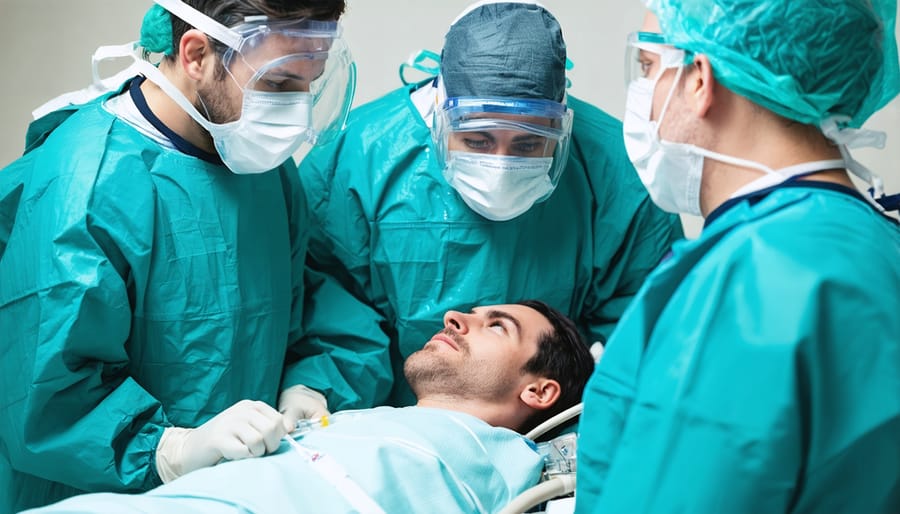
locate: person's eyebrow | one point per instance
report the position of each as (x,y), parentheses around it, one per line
(482,133)
(496,314)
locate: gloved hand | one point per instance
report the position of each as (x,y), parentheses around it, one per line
(300,402)
(246,429)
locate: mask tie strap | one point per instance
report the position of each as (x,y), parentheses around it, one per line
(417,62)
(847,138)
(157,77)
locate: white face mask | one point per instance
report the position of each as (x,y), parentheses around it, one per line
(499,187)
(271,128)
(673,172)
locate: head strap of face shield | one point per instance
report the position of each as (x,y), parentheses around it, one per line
(515,106)
(487,124)
(655,42)
(469,114)
(203,22)
(302,27)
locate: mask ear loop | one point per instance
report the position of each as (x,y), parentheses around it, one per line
(665,107)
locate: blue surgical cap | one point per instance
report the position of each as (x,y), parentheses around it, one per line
(805,60)
(505,50)
(156,31)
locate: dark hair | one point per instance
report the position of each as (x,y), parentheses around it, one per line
(232,12)
(562,355)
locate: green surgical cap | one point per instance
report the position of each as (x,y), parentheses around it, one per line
(805,60)
(505,50)
(156,31)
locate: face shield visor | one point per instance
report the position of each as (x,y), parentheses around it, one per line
(647,56)
(304,56)
(519,128)
(295,57)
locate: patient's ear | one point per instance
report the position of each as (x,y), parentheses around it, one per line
(540,394)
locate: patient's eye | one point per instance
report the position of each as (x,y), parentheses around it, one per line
(498,327)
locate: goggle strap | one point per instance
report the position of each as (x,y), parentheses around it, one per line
(203,22)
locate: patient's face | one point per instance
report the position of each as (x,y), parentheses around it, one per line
(479,354)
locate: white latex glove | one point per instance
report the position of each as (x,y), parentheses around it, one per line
(246,429)
(300,402)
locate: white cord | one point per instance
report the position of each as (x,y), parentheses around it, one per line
(555,421)
(546,490)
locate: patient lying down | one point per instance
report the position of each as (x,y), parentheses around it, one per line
(488,376)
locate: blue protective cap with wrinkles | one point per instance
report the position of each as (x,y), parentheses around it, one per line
(505,50)
(806,61)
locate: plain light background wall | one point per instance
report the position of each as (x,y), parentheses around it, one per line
(49,45)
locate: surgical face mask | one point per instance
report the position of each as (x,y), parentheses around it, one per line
(499,187)
(271,128)
(672,176)
(673,172)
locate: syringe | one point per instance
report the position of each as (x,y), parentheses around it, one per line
(305,425)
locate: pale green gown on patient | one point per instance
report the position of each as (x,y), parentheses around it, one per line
(411,460)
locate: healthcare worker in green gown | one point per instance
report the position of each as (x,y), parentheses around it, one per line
(151,257)
(758,369)
(484,184)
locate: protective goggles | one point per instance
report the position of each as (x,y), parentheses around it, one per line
(647,56)
(285,56)
(504,126)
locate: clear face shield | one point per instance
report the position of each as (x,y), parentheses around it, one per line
(507,127)
(302,56)
(648,56)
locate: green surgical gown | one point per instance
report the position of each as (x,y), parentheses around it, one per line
(758,370)
(140,288)
(388,226)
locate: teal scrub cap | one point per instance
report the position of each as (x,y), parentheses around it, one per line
(156,31)
(505,49)
(805,60)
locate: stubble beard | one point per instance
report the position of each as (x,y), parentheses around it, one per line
(429,372)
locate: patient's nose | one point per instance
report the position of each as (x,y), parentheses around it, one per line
(456,321)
